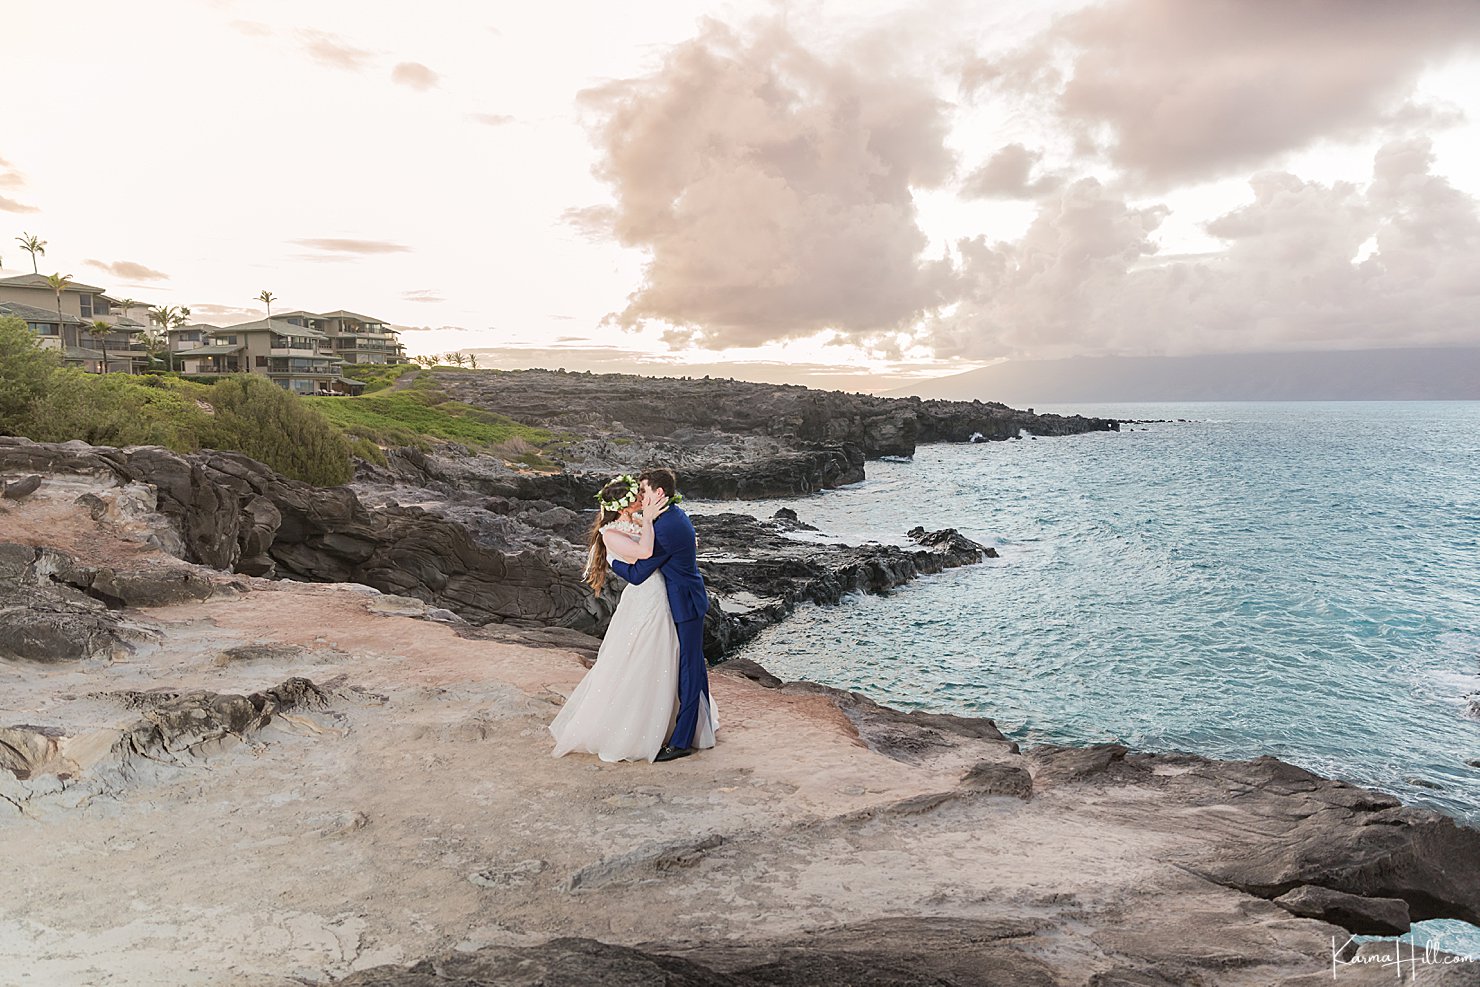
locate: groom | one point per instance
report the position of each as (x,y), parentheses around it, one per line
(674,552)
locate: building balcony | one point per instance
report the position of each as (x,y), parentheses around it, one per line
(207,368)
(280,368)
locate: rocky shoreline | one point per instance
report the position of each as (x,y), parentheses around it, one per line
(727,439)
(389,773)
(350,688)
(480,560)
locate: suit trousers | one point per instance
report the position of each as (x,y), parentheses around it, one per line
(693,680)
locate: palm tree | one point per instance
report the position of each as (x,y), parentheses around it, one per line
(59,284)
(472,361)
(99,330)
(156,344)
(35,245)
(267,298)
(165,317)
(127,305)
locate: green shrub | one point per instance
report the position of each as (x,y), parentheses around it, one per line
(260,419)
(25,370)
(115,410)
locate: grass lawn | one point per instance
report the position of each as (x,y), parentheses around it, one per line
(416,415)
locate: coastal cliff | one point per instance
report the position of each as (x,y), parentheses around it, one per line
(479,559)
(213,777)
(727,438)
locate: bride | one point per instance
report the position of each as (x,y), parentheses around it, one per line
(626,706)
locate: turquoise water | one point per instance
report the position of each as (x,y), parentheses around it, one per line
(1296,579)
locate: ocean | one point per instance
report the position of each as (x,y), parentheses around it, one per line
(1299,579)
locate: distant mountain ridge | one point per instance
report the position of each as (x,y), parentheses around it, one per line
(1336,375)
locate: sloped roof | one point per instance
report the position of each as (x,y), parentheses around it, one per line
(33,314)
(39,281)
(343,313)
(216,349)
(274,325)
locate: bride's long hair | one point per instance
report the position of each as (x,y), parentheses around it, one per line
(595,574)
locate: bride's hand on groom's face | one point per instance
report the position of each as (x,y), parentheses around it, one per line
(652,505)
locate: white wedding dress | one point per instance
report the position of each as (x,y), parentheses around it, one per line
(626,706)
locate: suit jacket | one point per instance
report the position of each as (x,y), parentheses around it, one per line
(675,554)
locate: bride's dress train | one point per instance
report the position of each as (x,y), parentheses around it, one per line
(627,704)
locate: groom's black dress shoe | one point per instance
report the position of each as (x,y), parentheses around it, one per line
(673,753)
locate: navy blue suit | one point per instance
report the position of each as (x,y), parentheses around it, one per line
(674,552)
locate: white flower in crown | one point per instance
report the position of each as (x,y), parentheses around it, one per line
(626,500)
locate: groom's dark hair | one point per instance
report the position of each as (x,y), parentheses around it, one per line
(661,478)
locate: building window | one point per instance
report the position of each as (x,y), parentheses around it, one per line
(261,361)
(86,302)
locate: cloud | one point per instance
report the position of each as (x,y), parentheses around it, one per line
(328,50)
(433,328)
(10,176)
(8,204)
(615,360)
(423,295)
(1305,265)
(1006,174)
(252,29)
(343,246)
(770,187)
(491,119)
(1173,92)
(224,315)
(128,270)
(415,75)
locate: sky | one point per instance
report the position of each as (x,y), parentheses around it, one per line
(845,194)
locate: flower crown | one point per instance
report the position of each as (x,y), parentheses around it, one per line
(630,497)
(626,500)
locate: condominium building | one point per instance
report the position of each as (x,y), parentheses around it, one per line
(354,338)
(296,357)
(68,330)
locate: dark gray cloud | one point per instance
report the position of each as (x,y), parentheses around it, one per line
(1305,265)
(771,188)
(414,75)
(1172,91)
(334,245)
(128,270)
